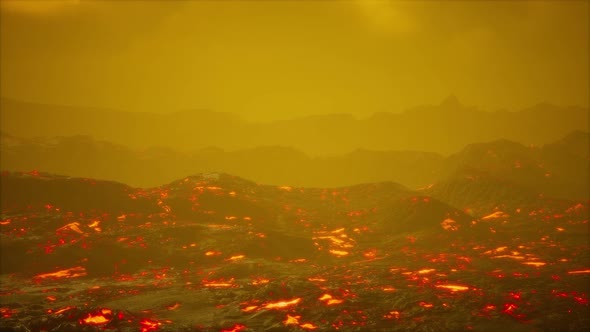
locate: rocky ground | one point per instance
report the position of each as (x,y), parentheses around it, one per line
(218,253)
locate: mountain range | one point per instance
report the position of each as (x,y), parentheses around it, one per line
(443,128)
(558,169)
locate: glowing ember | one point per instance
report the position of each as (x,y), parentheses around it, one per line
(317,279)
(509,308)
(291,320)
(370,254)
(392,315)
(453,288)
(6,312)
(260,281)
(173,306)
(308,326)
(62,310)
(329,299)
(149,325)
(235,328)
(281,304)
(579,272)
(221,283)
(536,264)
(298,260)
(250,308)
(98,318)
(338,252)
(75,226)
(495,215)
(235,258)
(449,225)
(215,226)
(218,284)
(426,271)
(335,241)
(517,257)
(95,223)
(426,304)
(73,272)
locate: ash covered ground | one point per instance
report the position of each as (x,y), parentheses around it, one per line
(215,252)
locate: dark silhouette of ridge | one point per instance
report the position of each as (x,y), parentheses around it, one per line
(558,169)
(442,128)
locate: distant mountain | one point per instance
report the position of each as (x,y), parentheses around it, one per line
(443,128)
(180,130)
(85,157)
(558,169)
(504,173)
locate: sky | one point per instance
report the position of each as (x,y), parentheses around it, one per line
(267,60)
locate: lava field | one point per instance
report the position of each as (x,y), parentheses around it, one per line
(214,252)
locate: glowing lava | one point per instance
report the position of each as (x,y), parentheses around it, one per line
(149,325)
(62,310)
(73,272)
(329,300)
(99,318)
(495,215)
(281,304)
(173,306)
(340,253)
(260,281)
(454,288)
(235,328)
(449,225)
(536,264)
(392,315)
(426,304)
(291,320)
(75,226)
(308,326)
(220,283)
(425,271)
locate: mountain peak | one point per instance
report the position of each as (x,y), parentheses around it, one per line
(451,101)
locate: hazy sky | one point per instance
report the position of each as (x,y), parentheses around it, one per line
(281,59)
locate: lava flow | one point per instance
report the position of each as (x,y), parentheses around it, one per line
(229,255)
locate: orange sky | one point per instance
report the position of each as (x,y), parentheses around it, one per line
(281,59)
